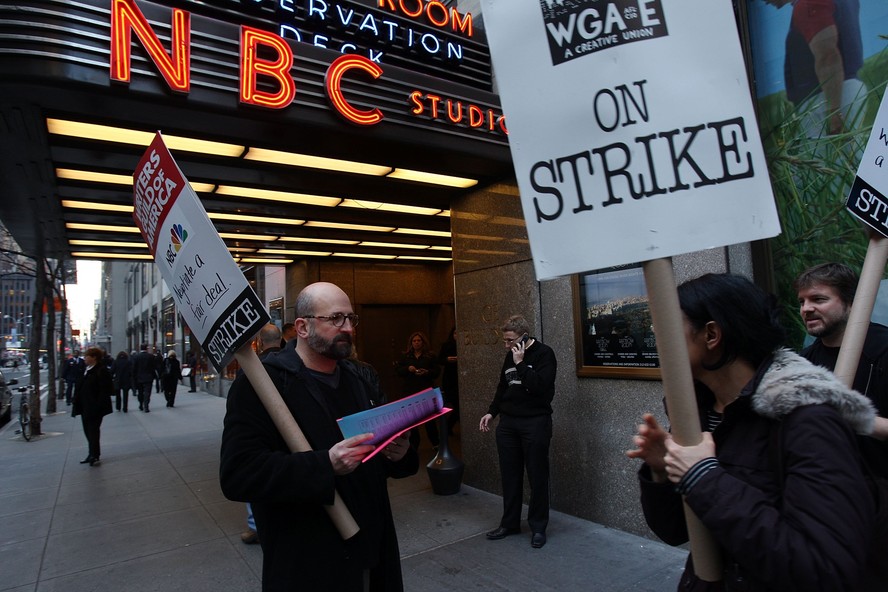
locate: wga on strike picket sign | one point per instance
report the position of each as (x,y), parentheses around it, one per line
(213,296)
(631,129)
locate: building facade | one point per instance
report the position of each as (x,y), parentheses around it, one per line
(367,149)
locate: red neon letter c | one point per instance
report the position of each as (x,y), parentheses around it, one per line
(333,82)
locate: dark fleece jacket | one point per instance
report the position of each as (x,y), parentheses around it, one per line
(301,547)
(812,531)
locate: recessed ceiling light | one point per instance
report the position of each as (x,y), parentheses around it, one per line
(316,162)
(441,233)
(285,196)
(319,241)
(94,205)
(388,207)
(363,256)
(99,243)
(256,219)
(343,226)
(86,255)
(101,227)
(432,178)
(106,133)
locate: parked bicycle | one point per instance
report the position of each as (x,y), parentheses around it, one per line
(25,411)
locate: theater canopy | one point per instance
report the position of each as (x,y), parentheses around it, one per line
(307,128)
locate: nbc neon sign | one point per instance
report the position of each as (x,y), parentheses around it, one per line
(175,68)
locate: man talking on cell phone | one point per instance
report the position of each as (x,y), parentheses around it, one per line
(523,400)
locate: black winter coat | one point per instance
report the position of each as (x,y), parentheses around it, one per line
(812,534)
(526,389)
(144,367)
(871,380)
(301,547)
(122,372)
(172,373)
(92,393)
(413,383)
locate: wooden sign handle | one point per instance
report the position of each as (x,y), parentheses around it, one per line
(678,387)
(289,429)
(862,310)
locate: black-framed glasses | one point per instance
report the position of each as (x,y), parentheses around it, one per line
(337,319)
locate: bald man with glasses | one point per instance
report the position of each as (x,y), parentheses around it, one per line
(288,491)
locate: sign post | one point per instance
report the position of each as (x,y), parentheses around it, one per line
(634,138)
(215,299)
(868,201)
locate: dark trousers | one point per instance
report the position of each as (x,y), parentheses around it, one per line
(169,393)
(92,427)
(192,379)
(523,443)
(145,394)
(122,396)
(69,390)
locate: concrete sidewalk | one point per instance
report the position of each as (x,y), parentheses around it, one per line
(151,517)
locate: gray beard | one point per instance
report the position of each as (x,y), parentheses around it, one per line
(337,349)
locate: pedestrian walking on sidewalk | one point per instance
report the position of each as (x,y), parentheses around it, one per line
(122,375)
(191,363)
(172,374)
(144,372)
(74,367)
(92,401)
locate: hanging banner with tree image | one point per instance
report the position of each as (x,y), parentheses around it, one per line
(814,126)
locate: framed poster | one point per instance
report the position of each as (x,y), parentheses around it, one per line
(613,326)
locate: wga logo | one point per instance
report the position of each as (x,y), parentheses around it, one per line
(178,234)
(576,28)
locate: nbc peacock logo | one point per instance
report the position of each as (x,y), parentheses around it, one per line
(178,235)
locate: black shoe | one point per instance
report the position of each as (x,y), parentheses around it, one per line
(538,540)
(88,459)
(141,408)
(501,533)
(95,462)
(147,410)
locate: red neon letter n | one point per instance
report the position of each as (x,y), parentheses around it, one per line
(175,68)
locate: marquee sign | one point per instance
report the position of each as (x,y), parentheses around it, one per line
(427,29)
(266,62)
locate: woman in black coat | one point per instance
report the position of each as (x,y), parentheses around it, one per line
(418,367)
(92,401)
(170,376)
(122,374)
(777,478)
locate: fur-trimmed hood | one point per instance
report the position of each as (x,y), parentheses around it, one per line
(791,381)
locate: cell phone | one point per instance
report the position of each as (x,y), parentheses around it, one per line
(523,339)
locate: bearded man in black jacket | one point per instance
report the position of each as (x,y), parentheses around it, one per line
(301,547)
(826,292)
